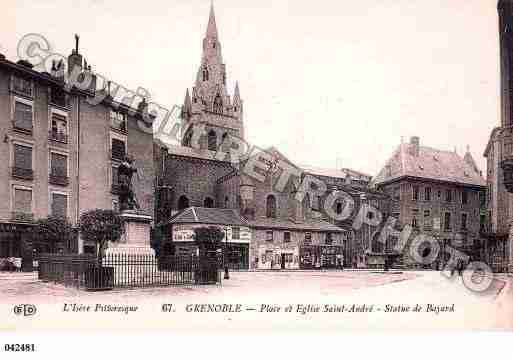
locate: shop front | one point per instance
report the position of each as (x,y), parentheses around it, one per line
(16,249)
(234,249)
(321,257)
(277,257)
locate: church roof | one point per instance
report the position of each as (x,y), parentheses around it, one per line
(430,163)
(221,216)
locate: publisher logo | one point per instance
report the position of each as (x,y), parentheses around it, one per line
(26,310)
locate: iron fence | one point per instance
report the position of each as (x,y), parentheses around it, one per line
(128,270)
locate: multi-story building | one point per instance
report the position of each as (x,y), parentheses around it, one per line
(361,249)
(436,192)
(499,155)
(59,152)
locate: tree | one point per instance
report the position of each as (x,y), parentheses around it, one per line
(100,226)
(208,239)
(53,230)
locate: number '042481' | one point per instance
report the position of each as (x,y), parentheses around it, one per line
(19,348)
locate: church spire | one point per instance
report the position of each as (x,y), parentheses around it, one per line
(212,27)
(236,93)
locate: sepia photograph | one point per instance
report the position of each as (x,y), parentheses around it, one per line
(230,166)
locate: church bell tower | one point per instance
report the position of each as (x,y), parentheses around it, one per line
(209,103)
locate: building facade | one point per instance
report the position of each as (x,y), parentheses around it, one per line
(437,193)
(499,156)
(60,152)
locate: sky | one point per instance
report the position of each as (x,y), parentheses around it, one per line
(329,83)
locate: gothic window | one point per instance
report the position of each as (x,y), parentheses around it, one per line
(183,203)
(212,140)
(226,202)
(208,203)
(271,206)
(218,104)
(205,74)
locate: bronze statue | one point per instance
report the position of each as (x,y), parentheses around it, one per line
(127,199)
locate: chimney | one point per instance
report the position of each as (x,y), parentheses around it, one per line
(75,59)
(415,144)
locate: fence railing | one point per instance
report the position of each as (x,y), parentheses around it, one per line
(128,270)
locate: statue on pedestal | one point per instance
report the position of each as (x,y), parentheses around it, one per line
(127,198)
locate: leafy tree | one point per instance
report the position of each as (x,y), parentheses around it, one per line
(100,226)
(53,230)
(208,239)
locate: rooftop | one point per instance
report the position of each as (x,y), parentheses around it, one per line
(222,216)
(413,160)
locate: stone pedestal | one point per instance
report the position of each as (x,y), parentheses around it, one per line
(136,235)
(132,258)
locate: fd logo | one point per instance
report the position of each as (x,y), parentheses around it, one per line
(26,310)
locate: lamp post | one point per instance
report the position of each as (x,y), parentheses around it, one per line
(226,273)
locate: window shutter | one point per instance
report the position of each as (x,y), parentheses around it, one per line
(59,165)
(22,157)
(23,201)
(59,205)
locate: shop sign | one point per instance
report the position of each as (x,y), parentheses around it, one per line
(183,235)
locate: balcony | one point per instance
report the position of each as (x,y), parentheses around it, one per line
(58,180)
(58,136)
(22,173)
(119,126)
(22,216)
(22,127)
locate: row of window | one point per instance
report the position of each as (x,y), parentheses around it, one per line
(427,195)
(270,237)
(447,220)
(22,165)
(22,203)
(23,120)
(25,88)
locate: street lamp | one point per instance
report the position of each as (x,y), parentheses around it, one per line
(226,274)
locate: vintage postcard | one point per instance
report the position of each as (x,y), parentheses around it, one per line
(274,165)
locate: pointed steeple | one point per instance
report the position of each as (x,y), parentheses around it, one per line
(187,102)
(212,27)
(236,93)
